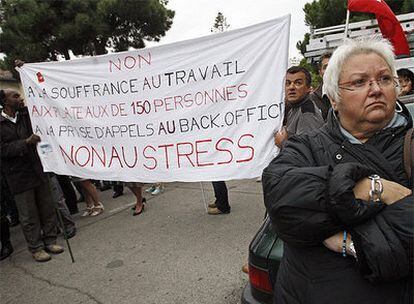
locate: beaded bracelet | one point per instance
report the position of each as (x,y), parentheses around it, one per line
(344,245)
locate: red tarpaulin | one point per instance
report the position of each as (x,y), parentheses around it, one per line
(388,23)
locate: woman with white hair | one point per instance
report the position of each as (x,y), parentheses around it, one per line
(339,197)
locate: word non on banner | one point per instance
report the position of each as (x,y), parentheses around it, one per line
(198,110)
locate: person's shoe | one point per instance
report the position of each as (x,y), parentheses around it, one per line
(215,211)
(212,205)
(88,211)
(6,251)
(54,248)
(117,194)
(138,212)
(41,256)
(96,210)
(150,189)
(157,191)
(144,201)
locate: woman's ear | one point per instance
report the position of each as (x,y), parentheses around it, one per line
(334,105)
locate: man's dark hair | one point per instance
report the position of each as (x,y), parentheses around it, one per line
(326,55)
(406,73)
(2,98)
(297,69)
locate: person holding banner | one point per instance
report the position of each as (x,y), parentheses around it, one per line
(23,172)
(303,114)
(339,196)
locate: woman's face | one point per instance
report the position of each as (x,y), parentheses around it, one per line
(368,95)
(405,85)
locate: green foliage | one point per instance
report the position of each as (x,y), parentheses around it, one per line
(220,24)
(321,13)
(301,45)
(407,6)
(39,30)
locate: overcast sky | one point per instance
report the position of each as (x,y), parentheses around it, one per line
(194,18)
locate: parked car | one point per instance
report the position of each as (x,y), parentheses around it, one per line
(265,254)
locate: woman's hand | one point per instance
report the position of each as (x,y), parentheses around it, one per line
(392,191)
(33,139)
(334,242)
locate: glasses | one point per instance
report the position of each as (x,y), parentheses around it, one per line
(364,83)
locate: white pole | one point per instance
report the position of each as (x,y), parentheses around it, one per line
(346,24)
(204,196)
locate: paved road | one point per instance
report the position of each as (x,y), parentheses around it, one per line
(173,253)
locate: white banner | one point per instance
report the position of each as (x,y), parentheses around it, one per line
(198,110)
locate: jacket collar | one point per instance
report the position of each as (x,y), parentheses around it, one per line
(334,128)
(300,102)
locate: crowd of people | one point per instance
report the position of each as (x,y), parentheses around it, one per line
(32,198)
(337,193)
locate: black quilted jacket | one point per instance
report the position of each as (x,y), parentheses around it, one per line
(308,195)
(20,163)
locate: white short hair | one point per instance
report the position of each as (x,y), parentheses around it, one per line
(352,47)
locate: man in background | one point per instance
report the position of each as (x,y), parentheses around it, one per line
(303,114)
(321,101)
(23,173)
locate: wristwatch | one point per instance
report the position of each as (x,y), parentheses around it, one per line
(376,188)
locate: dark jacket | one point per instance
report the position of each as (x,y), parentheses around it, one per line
(20,162)
(303,116)
(321,101)
(308,194)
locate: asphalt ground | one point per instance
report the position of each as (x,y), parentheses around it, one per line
(174,252)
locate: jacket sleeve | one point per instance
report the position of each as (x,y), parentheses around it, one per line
(384,244)
(297,195)
(294,194)
(16,148)
(309,121)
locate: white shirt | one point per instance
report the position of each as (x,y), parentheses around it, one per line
(12,119)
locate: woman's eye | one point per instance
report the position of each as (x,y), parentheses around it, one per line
(385,78)
(358,82)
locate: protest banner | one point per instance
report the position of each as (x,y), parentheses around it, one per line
(198,110)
